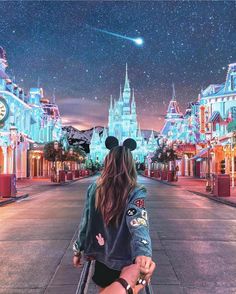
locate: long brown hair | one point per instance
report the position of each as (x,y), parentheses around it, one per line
(118,179)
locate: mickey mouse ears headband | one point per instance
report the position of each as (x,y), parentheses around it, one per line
(112,142)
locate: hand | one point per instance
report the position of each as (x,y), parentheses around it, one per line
(131,274)
(77,261)
(144,263)
(151,270)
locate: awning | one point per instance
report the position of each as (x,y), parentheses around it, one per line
(201,154)
(215,117)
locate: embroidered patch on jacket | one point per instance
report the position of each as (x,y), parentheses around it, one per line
(144,214)
(145,242)
(138,222)
(134,223)
(100,240)
(139,203)
(142,221)
(131,211)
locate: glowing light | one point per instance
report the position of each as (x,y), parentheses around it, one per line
(137,41)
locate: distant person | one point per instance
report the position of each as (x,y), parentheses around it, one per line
(114,229)
(176,172)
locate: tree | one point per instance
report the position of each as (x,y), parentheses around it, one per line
(164,155)
(78,154)
(51,154)
(231,127)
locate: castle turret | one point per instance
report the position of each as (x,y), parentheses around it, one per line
(126,105)
(3,66)
(173,114)
(3,60)
(230,84)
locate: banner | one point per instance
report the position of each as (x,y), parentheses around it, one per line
(202,120)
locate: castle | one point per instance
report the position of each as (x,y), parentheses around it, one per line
(123,124)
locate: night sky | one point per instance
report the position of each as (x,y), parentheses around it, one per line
(188,43)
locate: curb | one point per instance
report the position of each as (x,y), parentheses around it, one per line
(13,199)
(160,181)
(214,198)
(74,180)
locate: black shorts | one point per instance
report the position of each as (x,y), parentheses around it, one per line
(103,276)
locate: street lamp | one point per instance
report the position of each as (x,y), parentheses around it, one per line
(56,148)
(208,176)
(71,153)
(232,158)
(13,137)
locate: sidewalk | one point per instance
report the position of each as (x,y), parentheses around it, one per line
(26,187)
(198,187)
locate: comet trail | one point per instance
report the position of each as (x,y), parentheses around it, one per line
(137,41)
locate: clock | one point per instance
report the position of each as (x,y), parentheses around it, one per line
(4,110)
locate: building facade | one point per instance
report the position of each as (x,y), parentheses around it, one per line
(25,121)
(206,132)
(123,124)
(217,112)
(183,131)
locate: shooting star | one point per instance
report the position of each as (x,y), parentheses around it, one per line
(138,41)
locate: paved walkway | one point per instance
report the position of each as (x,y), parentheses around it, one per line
(198,186)
(194,241)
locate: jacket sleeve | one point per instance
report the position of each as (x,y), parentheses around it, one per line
(80,241)
(137,222)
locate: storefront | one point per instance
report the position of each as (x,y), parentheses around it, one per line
(185,153)
(25,120)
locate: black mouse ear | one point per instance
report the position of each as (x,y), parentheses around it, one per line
(111,142)
(130,143)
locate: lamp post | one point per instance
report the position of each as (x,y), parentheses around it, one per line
(208,176)
(13,137)
(232,159)
(71,153)
(56,147)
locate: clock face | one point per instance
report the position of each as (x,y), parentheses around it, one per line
(3,110)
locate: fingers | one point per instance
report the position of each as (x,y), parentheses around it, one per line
(144,262)
(151,270)
(138,288)
(77,261)
(147,264)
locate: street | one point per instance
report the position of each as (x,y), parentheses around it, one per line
(194,241)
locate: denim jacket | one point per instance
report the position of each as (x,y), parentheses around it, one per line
(116,247)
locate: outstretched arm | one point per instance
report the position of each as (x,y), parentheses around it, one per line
(78,245)
(137,222)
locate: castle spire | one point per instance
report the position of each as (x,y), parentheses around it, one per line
(111,102)
(152,135)
(173,92)
(120,93)
(127,87)
(133,99)
(54,96)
